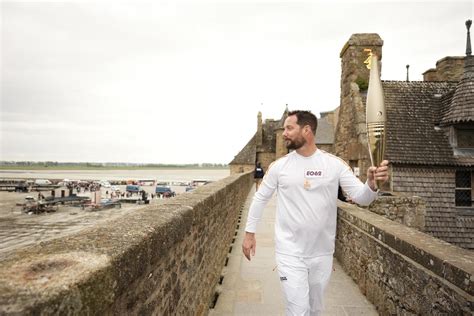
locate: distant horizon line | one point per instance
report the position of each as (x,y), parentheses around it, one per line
(50,162)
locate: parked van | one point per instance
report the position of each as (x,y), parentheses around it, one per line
(133,188)
(165,191)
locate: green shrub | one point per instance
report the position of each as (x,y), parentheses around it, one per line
(362,83)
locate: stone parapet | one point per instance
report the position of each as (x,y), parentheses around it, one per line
(241,168)
(162,259)
(403,209)
(403,271)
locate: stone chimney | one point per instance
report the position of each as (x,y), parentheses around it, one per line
(350,141)
(353,55)
(449,68)
(431,75)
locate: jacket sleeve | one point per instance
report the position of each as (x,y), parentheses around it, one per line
(357,191)
(261,198)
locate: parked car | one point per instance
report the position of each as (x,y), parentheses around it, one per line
(45,182)
(133,188)
(165,191)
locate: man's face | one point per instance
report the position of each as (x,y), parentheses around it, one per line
(293,134)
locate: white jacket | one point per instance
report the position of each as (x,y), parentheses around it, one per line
(307,190)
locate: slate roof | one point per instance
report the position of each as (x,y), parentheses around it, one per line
(461,107)
(248,154)
(324,132)
(413,110)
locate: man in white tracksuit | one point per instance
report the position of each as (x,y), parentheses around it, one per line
(307,182)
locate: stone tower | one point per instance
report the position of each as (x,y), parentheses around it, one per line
(280,147)
(350,137)
(259,134)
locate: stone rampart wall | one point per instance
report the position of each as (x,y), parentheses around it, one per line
(162,259)
(403,271)
(241,168)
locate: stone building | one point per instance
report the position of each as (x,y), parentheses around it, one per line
(264,147)
(267,144)
(430,135)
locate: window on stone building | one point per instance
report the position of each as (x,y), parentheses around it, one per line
(465,137)
(463,192)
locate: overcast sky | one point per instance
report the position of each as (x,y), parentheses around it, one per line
(183,81)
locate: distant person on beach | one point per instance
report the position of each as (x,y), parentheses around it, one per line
(258,175)
(307,182)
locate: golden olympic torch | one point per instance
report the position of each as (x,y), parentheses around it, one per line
(375,113)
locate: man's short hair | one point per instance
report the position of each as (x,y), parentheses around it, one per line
(305,118)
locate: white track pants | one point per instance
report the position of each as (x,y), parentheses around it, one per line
(303,281)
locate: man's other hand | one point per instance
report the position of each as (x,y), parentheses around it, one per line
(248,245)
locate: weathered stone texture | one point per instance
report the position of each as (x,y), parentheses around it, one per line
(403,271)
(163,259)
(450,68)
(280,146)
(265,158)
(327,148)
(241,168)
(431,75)
(447,69)
(437,188)
(406,210)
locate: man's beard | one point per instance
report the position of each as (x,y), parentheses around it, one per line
(295,144)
